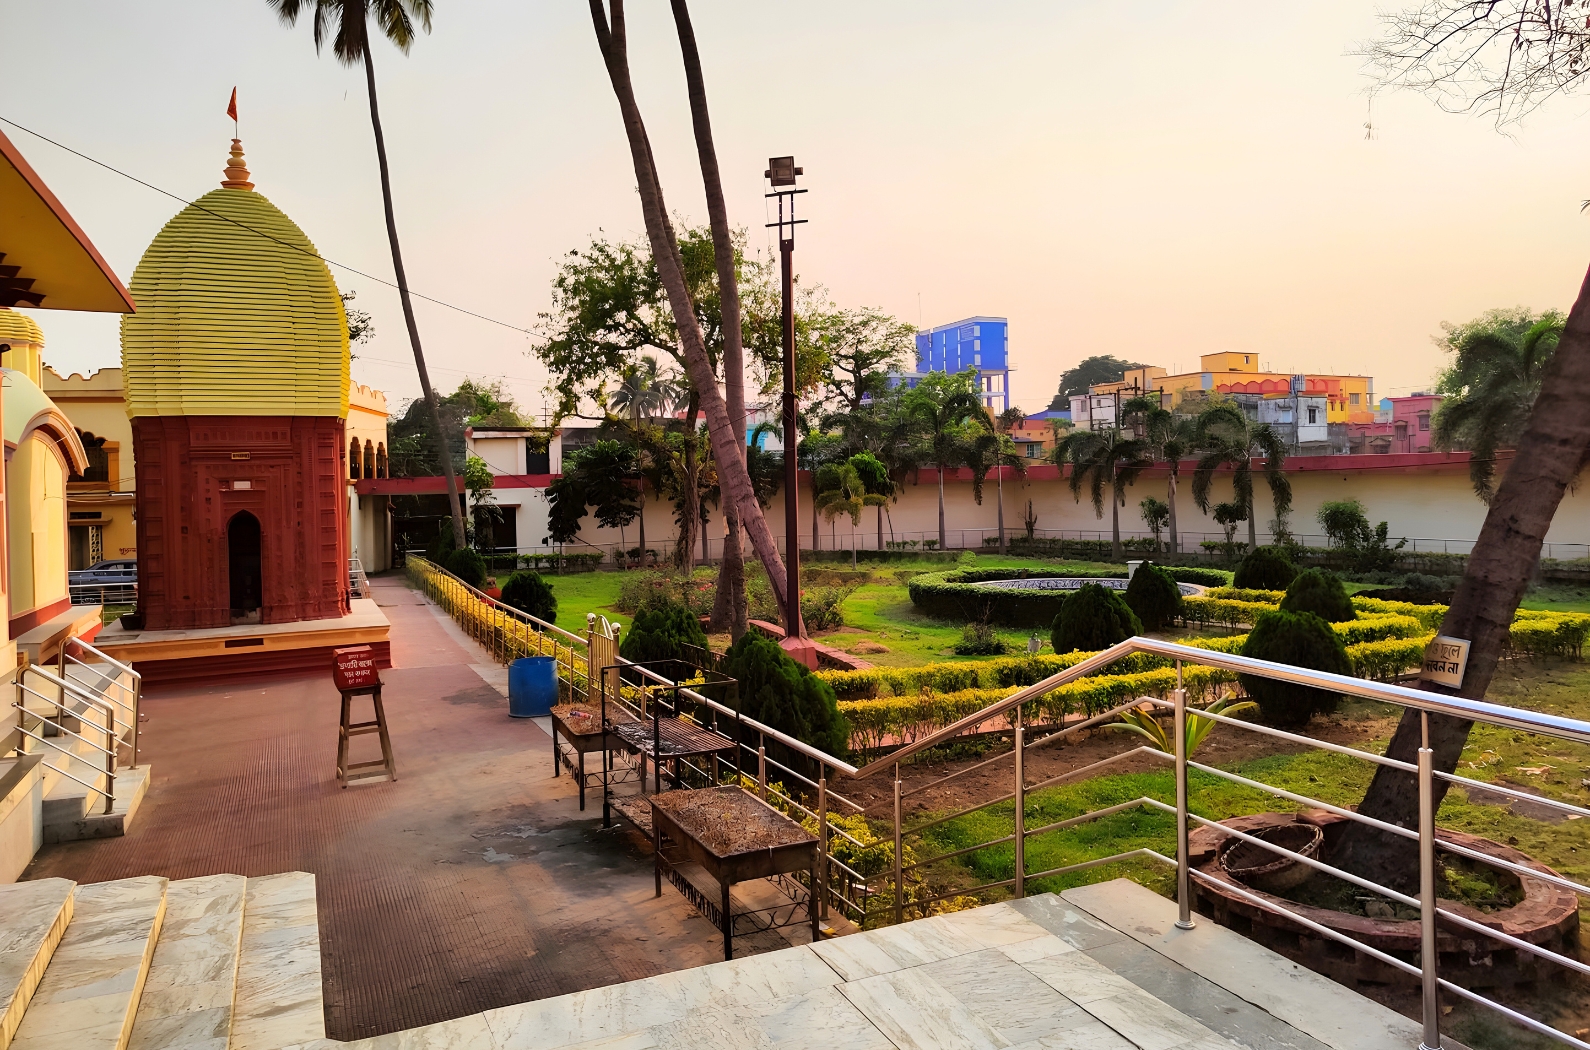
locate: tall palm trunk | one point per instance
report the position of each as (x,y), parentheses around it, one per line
(1117,552)
(1504,559)
(728,607)
(817,543)
(1001,509)
(444,450)
(1170,498)
(943,543)
(691,519)
(727,445)
(880,526)
(641,558)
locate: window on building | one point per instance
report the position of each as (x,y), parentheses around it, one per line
(1313,414)
(355,458)
(1424,421)
(1352,399)
(369,459)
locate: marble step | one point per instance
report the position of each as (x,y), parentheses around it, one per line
(187,1001)
(279,1001)
(90,991)
(36,916)
(91,821)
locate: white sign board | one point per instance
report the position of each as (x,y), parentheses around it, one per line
(1445,660)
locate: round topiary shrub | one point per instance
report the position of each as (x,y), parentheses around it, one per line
(1093,618)
(1265,569)
(529,593)
(467,565)
(1153,596)
(658,633)
(1302,640)
(1321,594)
(779,692)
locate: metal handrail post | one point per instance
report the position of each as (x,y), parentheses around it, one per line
(1184,919)
(821,876)
(1020,840)
(761,766)
(1427,903)
(899,885)
(137,707)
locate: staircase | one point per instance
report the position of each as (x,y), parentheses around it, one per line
(213,963)
(67,726)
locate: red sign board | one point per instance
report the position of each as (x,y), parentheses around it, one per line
(354,668)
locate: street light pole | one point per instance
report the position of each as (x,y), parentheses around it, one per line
(781,172)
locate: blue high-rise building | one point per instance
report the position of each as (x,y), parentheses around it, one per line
(981,344)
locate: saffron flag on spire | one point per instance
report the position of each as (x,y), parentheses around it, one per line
(231,107)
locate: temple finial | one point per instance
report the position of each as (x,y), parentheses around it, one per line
(236,170)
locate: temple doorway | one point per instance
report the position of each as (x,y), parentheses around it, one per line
(242,567)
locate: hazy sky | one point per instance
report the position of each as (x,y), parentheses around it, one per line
(1150,180)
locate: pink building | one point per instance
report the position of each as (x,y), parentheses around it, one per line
(1404,428)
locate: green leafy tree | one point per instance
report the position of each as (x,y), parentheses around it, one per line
(1320,593)
(1104,461)
(1227,438)
(467,565)
(1496,372)
(875,479)
(1300,639)
(347,24)
(660,632)
(942,405)
(1344,523)
(602,476)
(862,347)
(1228,516)
(778,692)
(1156,515)
(1265,569)
(1154,596)
(1171,438)
(1101,368)
(841,490)
(529,593)
(1093,618)
(479,483)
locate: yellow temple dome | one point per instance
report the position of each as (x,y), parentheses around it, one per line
(237,314)
(19,328)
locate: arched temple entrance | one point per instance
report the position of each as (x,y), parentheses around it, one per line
(243,567)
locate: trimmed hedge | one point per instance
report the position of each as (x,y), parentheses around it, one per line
(1266,567)
(1093,619)
(1319,593)
(1154,596)
(950,596)
(1303,640)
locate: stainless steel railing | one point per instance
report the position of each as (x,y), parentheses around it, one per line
(131,690)
(1432,914)
(62,688)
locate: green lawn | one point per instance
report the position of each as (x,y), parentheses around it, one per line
(580,593)
(1558,597)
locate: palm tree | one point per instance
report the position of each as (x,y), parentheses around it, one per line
(347,23)
(1109,459)
(941,415)
(1495,381)
(843,491)
(1170,437)
(1226,437)
(727,435)
(642,393)
(993,450)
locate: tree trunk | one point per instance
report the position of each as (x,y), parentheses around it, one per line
(1001,510)
(444,451)
(706,544)
(880,526)
(943,543)
(727,445)
(1117,552)
(1504,559)
(690,520)
(1170,496)
(731,569)
(641,558)
(817,543)
(1253,527)
(729,612)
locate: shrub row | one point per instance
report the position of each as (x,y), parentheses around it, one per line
(952,596)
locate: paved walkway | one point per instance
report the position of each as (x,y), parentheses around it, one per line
(471,883)
(1098,968)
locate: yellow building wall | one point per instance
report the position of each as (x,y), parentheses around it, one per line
(367,415)
(36,525)
(95,404)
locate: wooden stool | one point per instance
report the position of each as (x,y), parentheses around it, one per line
(385,766)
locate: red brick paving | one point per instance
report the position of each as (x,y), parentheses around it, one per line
(472,882)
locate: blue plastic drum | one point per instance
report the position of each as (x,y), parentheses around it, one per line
(532,686)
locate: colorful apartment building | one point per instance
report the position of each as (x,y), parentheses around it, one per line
(1348,399)
(979,344)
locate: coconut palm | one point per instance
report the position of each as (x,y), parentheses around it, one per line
(347,24)
(992,450)
(1170,438)
(1227,438)
(1104,459)
(941,413)
(1493,384)
(642,393)
(842,490)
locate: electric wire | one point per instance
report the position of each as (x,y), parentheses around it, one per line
(261,233)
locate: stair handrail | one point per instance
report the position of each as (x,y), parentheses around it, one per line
(136,689)
(65,686)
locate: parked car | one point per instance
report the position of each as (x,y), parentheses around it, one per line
(113,582)
(119,572)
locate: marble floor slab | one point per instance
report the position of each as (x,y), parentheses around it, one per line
(187,1000)
(36,916)
(279,1001)
(91,988)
